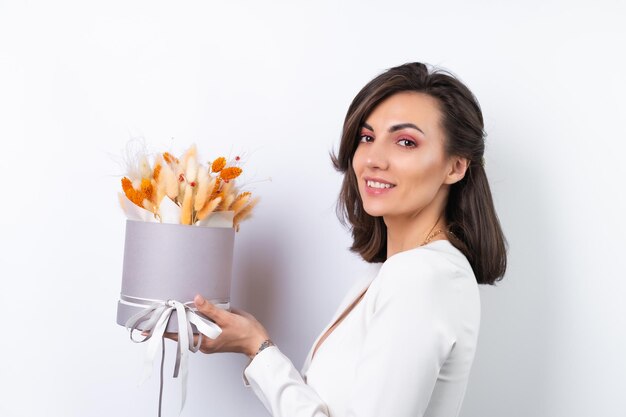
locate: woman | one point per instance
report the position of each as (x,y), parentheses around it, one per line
(417,199)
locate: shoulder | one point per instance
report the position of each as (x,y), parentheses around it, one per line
(437,276)
(438,263)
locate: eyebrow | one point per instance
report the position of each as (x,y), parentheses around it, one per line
(395,128)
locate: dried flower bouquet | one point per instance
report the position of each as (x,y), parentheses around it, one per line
(181,190)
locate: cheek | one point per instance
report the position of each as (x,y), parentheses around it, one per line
(421,178)
(357,162)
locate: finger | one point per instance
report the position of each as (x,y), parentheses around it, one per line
(208,309)
(171,336)
(237,311)
(174,337)
(241,313)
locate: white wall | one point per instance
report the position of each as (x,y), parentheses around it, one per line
(274,79)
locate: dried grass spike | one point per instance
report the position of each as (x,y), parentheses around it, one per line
(144,167)
(228,200)
(132,194)
(169,158)
(202,192)
(186,210)
(245,212)
(216,187)
(243,195)
(191,173)
(169,179)
(190,163)
(157,171)
(159,193)
(182,189)
(208,208)
(148,205)
(127,185)
(146,188)
(226,186)
(192,152)
(240,202)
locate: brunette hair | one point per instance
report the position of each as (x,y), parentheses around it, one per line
(469,212)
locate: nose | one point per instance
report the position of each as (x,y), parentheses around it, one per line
(376,157)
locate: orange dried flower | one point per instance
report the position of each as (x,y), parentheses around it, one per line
(169,157)
(230,173)
(198,190)
(127,185)
(156,172)
(131,193)
(146,189)
(218,164)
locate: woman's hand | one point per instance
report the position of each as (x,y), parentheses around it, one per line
(241,332)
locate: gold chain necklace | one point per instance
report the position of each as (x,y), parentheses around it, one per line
(433,234)
(429,238)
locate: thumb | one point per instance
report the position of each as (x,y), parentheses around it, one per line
(199,300)
(207,308)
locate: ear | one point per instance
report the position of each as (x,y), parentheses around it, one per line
(456,169)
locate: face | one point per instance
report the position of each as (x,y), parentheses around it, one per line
(400,164)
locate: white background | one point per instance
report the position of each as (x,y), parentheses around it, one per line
(272,81)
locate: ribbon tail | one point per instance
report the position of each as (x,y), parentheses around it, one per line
(156,339)
(181,367)
(149,326)
(154,319)
(149,314)
(194,347)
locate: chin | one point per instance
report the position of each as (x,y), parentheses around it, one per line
(375,211)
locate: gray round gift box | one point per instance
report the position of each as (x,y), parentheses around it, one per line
(175,262)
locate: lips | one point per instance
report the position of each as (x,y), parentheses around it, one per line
(378,180)
(377,186)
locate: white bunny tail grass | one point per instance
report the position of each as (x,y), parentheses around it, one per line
(208,208)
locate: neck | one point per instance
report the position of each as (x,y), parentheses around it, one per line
(404,233)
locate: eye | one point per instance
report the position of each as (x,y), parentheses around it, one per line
(408,143)
(366,138)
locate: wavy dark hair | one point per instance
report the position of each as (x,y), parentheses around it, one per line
(470,214)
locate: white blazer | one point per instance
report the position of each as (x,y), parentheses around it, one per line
(405,350)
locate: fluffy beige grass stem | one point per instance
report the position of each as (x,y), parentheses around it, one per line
(240,202)
(245,212)
(228,200)
(202,192)
(208,208)
(186,209)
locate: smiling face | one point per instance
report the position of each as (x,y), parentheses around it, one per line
(400,163)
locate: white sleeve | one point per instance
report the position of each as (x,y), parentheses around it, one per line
(409,337)
(280,387)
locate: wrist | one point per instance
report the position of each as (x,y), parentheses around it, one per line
(259,346)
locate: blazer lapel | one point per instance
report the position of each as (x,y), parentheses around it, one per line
(350,297)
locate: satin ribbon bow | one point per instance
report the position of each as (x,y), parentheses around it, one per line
(154,319)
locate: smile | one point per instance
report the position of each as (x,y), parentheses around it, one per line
(374,184)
